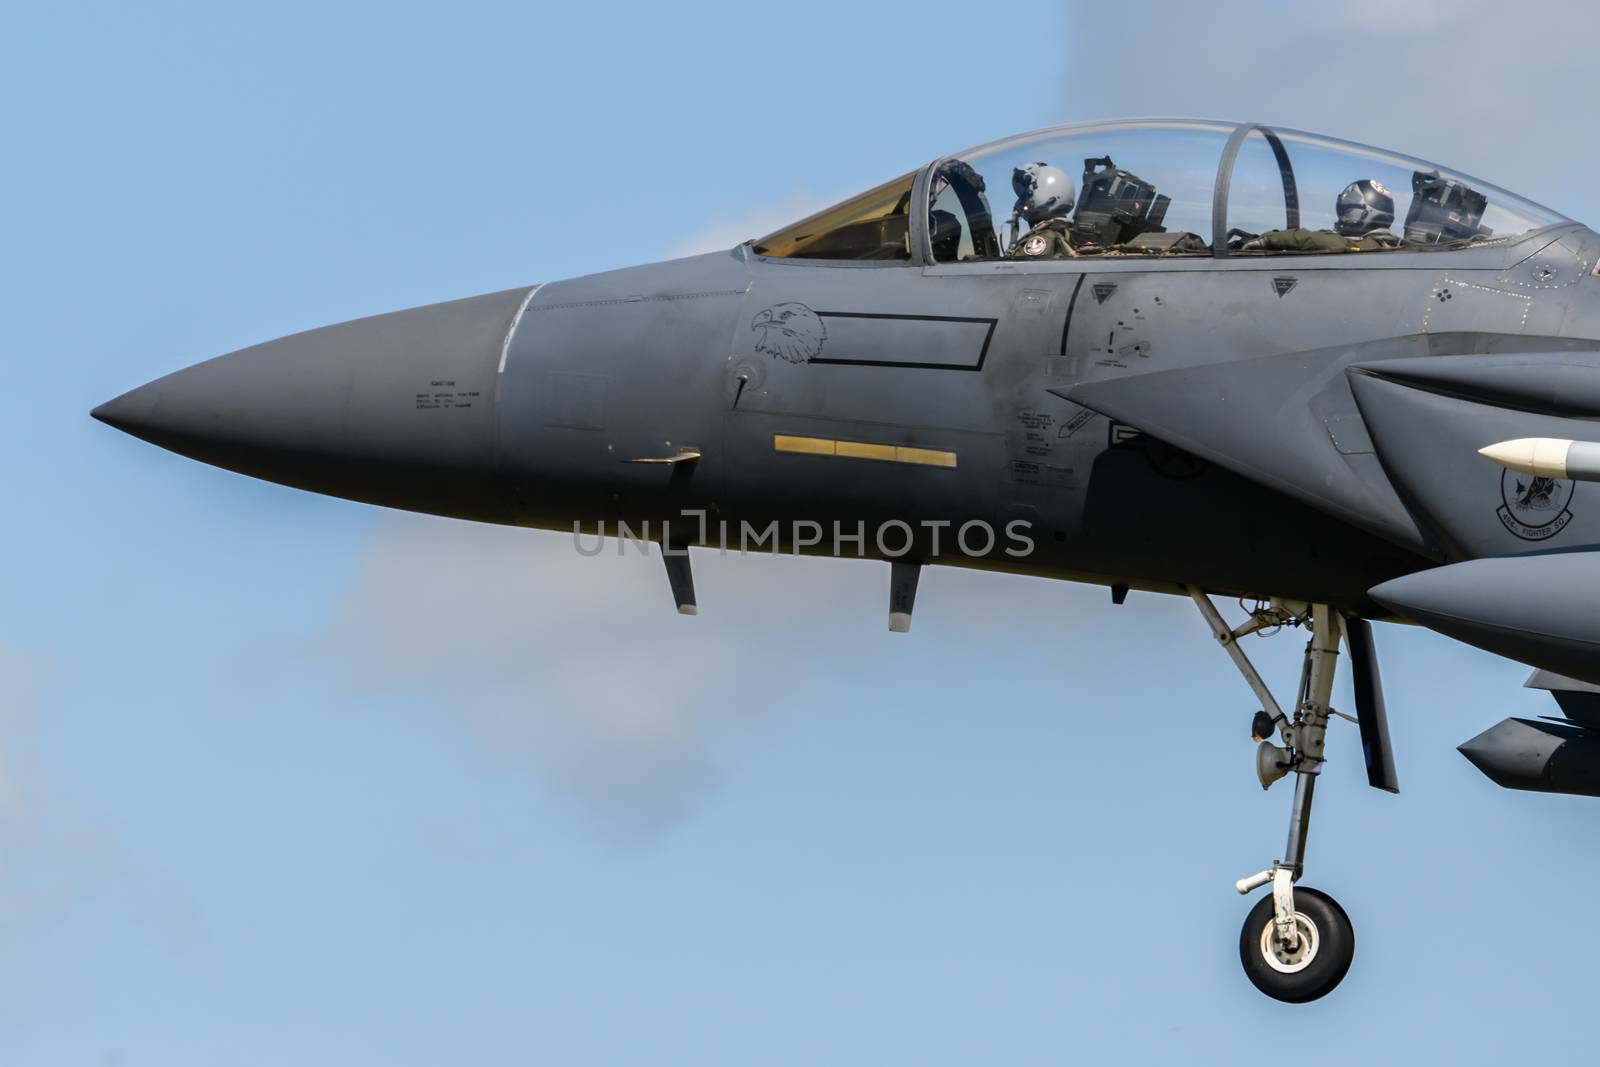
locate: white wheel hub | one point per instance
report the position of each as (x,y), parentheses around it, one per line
(1280,956)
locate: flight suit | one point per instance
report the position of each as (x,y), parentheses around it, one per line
(1303,240)
(1048,240)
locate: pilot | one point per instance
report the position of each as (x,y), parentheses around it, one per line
(1363,211)
(1045,197)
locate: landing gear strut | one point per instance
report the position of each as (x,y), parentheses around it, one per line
(1297,943)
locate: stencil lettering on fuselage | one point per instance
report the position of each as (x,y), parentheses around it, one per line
(1116,328)
(1033,451)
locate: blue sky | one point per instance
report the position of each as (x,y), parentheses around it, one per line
(288,779)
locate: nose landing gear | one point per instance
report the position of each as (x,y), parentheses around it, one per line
(1312,963)
(1297,943)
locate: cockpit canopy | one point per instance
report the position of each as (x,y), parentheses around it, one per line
(1167,188)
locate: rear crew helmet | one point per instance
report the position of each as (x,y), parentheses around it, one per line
(1364,206)
(1043,192)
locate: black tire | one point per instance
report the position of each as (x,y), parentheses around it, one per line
(1296,979)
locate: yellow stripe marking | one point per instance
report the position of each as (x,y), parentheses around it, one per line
(823,446)
(815,445)
(930,457)
(864,450)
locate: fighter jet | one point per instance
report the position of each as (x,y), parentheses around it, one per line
(1198,358)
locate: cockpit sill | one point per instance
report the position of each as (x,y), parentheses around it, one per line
(1496,255)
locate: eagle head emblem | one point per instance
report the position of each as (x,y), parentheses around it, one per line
(1536,495)
(790,331)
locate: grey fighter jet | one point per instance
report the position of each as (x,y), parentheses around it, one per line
(1186,357)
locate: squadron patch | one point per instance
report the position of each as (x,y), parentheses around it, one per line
(1534,509)
(1033,246)
(1378,188)
(790,331)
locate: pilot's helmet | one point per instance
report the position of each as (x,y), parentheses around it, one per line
(1364,206)
(1043,192)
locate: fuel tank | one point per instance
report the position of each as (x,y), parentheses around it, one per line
(1537,608)
(1542,756)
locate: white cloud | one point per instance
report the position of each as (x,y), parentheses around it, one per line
(1472,85)
(56,855)
(1383,17)
(581,669)
(729,229)
(19,684)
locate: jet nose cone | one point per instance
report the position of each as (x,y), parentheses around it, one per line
(160,413)
(394,409)
(123,412)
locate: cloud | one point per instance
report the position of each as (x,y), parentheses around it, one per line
(727,230)
(1473,85)
(19,684)
(1384,17)
(56,855)
(580,669)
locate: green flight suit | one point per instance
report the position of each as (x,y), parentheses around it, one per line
(1302,240)
(1048,240)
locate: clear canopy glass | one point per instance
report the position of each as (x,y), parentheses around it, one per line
(1133,179)
(1148,188)
(1428,206)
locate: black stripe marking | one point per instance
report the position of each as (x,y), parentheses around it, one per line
(983,353)
(1067,326)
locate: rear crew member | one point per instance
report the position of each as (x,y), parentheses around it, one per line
(1363,213)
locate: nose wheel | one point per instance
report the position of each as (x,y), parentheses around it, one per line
(1309,964)
(1297,943)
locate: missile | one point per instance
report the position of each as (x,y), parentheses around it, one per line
(1548,457)
(1545,757)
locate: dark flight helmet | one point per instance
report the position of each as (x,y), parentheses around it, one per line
(1362,207)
